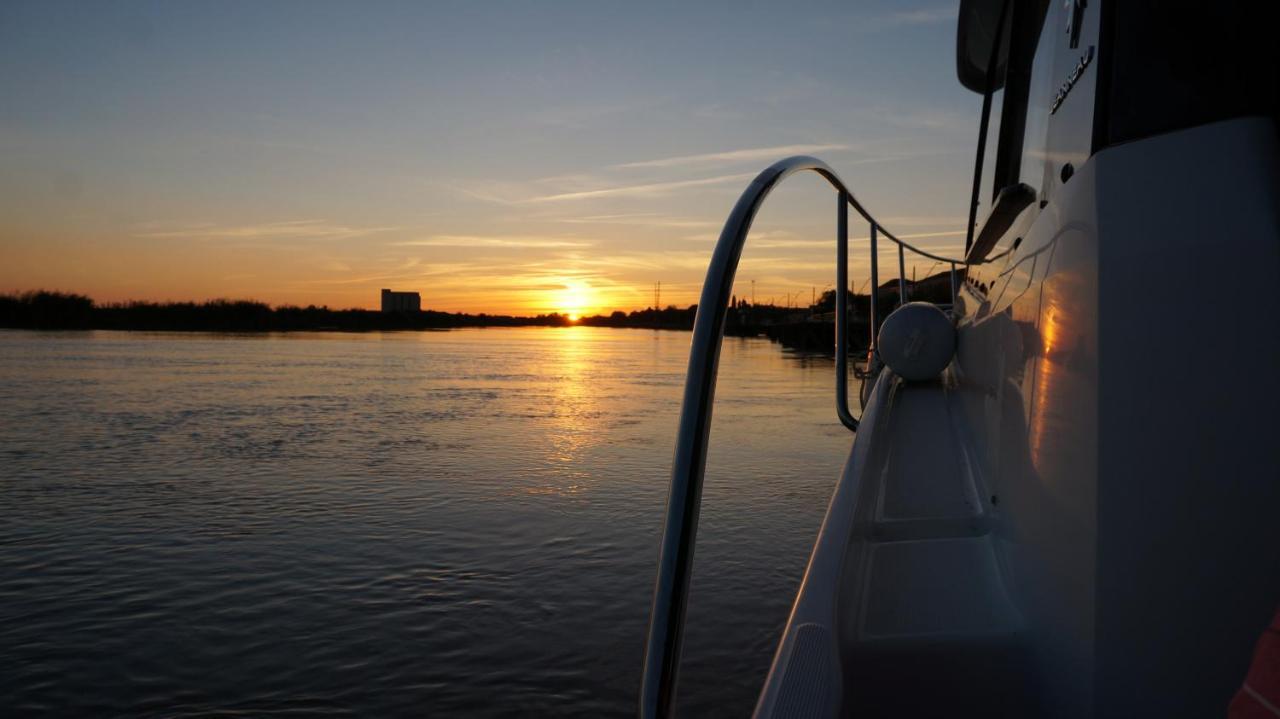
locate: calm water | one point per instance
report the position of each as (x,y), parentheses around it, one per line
(446,523)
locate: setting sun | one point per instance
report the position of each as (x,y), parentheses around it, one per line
(575,299)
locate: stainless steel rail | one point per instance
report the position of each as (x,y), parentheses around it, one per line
(675,564)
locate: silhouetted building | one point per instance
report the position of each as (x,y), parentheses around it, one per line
(401,301)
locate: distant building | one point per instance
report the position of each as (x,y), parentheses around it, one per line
(401,301)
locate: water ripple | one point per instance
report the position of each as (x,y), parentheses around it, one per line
(455,523)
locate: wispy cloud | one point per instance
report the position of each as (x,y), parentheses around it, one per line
(402,273)
(330,264)
(747,155)
(921,118)
(922,220)
(486,197)
(650,189)
(586,115)
(908,18)
(780,241)
(791,244)
(284,230)
(517,241)
(640,219)
(923,16)
(924,235)
(650,261)
(758,238)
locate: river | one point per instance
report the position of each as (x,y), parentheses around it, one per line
(459,523)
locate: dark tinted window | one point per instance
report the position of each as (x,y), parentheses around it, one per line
(1170,65)
(990,178)
(1036,124)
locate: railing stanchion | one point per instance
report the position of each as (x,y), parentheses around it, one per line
(902,279)
(954,296)
(875,289)
(842,313)
(688,467)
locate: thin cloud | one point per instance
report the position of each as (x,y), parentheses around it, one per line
(791,244)
(931,119)
(923,16)
(431,271)
(587,115)
(753,154)
(284,230)
(774,264)
(655,260)
(758,238)
(486,197)
(911,18)
(518,241)
(651,189)
(776,243)
(639,220)
(919,220)
(333,265)
(925,235)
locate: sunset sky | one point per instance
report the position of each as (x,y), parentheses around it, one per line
(496,157)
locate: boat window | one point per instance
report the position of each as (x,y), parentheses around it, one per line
(1035,134)
(988,188)
(1008,133)
(1169,68)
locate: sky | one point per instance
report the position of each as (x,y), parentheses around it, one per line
(519,157)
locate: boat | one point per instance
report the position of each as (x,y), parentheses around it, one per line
(1062,499)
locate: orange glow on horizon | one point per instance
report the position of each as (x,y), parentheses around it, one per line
(122,268)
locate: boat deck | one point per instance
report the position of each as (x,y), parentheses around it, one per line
(925,622)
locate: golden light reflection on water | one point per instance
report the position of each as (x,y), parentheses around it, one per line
(573,412)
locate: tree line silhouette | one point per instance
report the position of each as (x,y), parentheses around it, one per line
(43,309)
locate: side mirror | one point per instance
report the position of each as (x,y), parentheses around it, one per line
(976,35)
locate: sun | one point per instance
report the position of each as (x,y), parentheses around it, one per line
(574,299)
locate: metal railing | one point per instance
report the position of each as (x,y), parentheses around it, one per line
(666,628)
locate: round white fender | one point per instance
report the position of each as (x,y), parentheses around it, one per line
(917,341)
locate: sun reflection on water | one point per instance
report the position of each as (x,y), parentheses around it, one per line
(573,411)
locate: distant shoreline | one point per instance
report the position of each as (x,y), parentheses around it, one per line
(809,327)
(45,310)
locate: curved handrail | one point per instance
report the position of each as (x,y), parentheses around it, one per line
(666,628)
